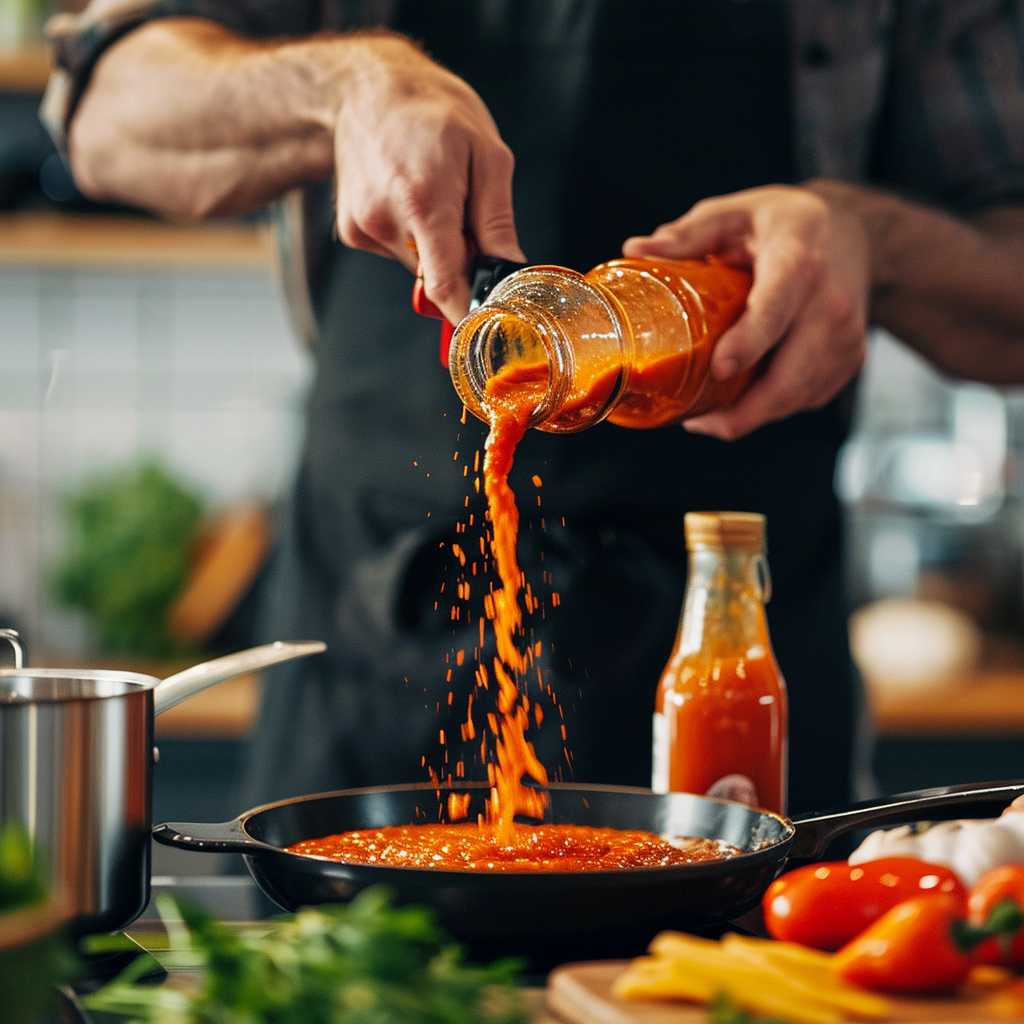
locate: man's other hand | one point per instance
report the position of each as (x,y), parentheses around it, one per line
(806,315)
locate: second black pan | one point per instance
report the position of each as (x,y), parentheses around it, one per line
(556,917)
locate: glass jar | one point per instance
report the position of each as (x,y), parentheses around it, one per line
(629,342)
(720,718)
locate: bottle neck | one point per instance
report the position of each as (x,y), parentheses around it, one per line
(547,341)
(723,612)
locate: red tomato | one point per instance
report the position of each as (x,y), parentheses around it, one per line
(825,905)
(1002,888)
(910,948)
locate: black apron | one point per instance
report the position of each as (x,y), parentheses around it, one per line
(621,117)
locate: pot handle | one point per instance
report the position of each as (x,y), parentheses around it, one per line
(974,800)
(174,689)
(222,837)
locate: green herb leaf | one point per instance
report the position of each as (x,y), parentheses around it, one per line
(366,962)
(724,1011)
(127,557)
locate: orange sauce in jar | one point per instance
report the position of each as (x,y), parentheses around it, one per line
(630,341)
(667,383)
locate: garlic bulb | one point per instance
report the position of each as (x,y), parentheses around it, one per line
(970,847)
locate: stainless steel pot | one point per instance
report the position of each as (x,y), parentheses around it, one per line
(76,771)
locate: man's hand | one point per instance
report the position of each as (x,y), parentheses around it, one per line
(807,310)
(419,162)
(184,117)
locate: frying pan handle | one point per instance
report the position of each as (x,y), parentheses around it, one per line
(225,837)
(975,800)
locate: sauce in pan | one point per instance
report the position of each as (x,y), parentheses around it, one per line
(468,847)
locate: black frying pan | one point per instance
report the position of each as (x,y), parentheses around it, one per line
(561,916)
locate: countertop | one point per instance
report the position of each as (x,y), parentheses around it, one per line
(989,704)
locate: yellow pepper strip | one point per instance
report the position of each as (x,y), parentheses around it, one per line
(804,958)
(701,982)
(984,977)
(760,976)
(651,977)
(811,970)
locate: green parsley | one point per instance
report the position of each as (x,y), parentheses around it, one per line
(365,962)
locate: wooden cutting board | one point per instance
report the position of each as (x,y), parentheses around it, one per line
(582,994)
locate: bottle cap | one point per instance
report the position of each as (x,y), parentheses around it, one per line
(724,530)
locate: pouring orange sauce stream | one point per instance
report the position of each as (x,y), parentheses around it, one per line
(497,842)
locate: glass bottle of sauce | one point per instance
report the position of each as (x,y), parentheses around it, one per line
(630,342)
(720,711)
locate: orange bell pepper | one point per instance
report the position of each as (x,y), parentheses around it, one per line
(921,945)
(996,905)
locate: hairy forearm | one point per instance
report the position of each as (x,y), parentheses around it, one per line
(185,118)
(952,289)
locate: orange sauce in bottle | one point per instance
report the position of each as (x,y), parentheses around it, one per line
(720,721)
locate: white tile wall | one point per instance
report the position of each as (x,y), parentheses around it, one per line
(99,368)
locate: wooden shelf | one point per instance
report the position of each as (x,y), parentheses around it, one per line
(988,705)
(57,240)
(25,69)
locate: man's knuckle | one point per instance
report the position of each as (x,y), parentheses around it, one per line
(502,158)
(443,289)
(375,221)
(414,196)
(840,307)
(347,231)
(808,262)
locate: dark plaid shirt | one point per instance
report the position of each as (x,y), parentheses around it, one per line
(925,96)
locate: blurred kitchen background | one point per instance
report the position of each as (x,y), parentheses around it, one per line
(145,365)
(149,380)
